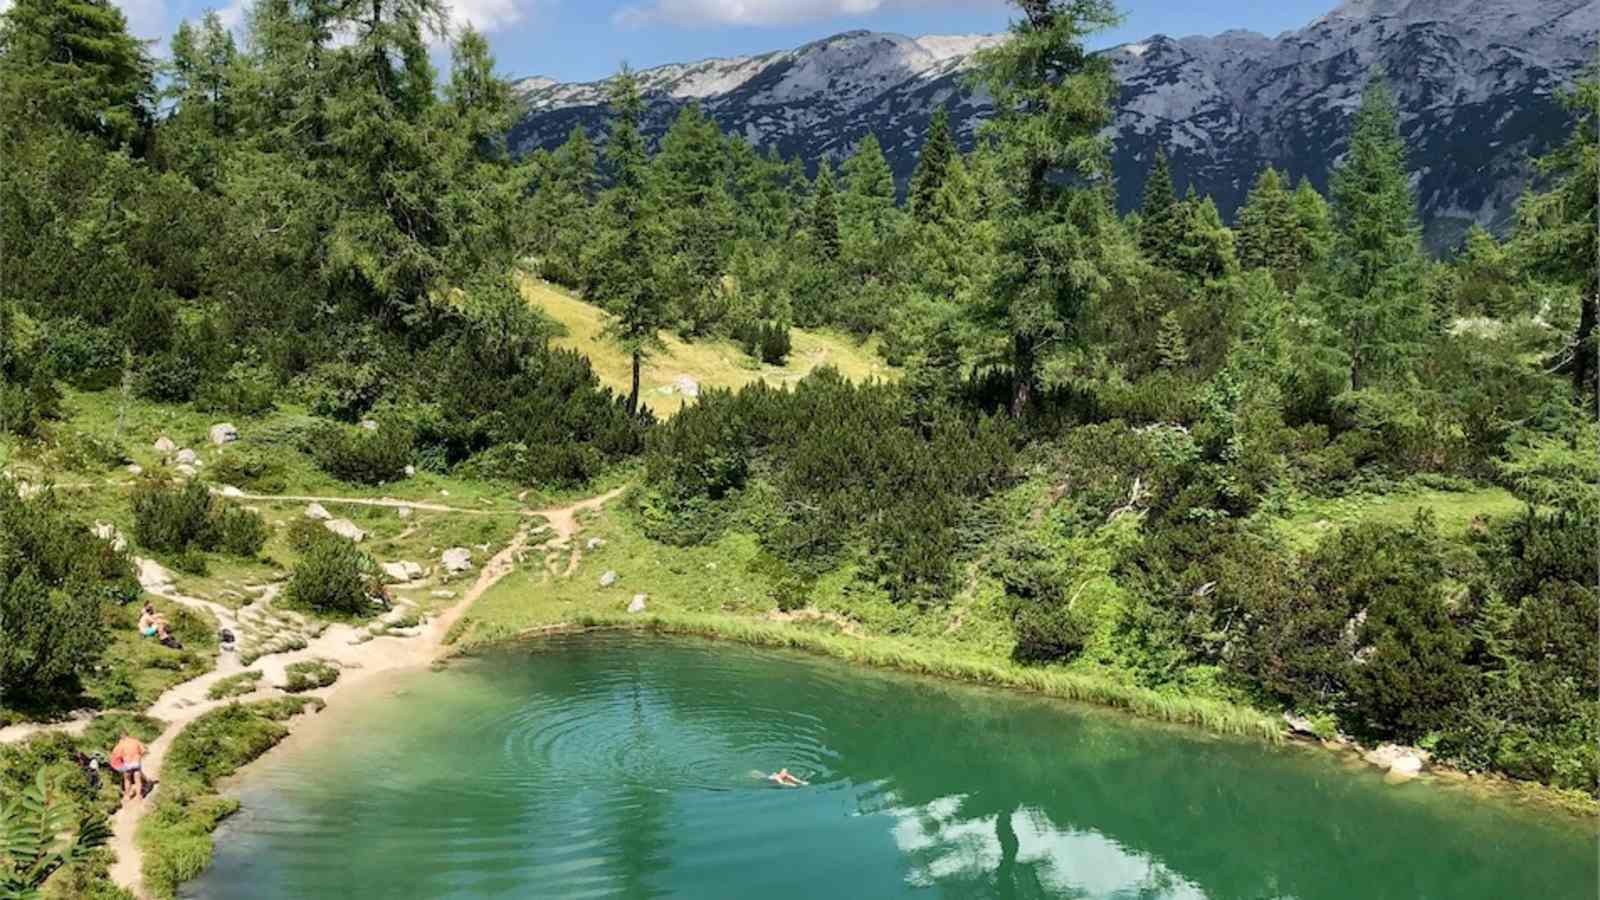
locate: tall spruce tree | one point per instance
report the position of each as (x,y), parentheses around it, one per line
(1052,98)
(1557,233)
(824,217)
(1160,215)
(1373,300)
(690,174)
(1268,230)
(1205,248)
(624,271)
(73,63)
(938,149)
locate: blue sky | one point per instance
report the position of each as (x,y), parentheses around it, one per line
(580,40)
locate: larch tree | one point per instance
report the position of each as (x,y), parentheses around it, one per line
(824,214)
(1052,98)
(1373,301)
(624,272)
(1160,215)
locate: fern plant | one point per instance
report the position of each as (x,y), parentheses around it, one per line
(40,832)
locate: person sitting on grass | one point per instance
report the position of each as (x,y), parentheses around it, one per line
(153,624)
(127,759)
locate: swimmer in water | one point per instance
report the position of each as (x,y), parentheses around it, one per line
(782,778)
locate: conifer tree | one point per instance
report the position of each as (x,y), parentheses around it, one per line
(1373,301)
(1557,233)
(73,63)
(1205,247)
(869,191)
(938,149)
(1268,231)
(1051,100)
(1313,226)
(1160,215)
(625,274)
(824,218)
(691,174)
(1172,348)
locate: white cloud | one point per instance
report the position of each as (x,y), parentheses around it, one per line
(765,12)
(487,15)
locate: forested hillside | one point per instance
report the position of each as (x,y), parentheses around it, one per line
(1291,465)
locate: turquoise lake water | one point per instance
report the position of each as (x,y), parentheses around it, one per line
(627,766)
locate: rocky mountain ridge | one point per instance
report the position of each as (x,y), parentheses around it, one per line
(1475,80)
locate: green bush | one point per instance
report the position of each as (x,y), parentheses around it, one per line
(361,456)
(54,577)
(246,388)
(248,469)
(308,675)
(234,685)
(85,452)
(333,576)
(183,519)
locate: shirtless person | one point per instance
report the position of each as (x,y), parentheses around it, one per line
(127,757)
(782,778)
(153,624)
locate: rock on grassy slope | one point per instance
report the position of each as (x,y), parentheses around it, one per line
(668,376)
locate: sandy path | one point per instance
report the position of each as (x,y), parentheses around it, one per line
(183,703)
(388,502)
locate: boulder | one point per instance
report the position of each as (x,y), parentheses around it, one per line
(229,490)
(108,532)
(223,433)
(686,386)
(445,595)
(403,512)
(402,571)
(1299,725)
(594,544)
(164,445)
(345,529)
(186,457)
(1401,762)
(638,603)
(608,579)
(411,471)
(315,511)
(1406,766)
(135,469)
(369,425)
(456,560)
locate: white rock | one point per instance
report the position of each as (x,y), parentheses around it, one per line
(608,579)
(135,469)
(1402,762)
(223,433)
(686,386)
(315,511)
(229,490)
(1406,766)
(369,425)
(456,559)
(594,544)
(108,532)
(403,512)
(345,529)
(184,469)
(186,457)
(165,445)
(402,571)
(637,605)
(445,595)
(1299,724)
(411,471)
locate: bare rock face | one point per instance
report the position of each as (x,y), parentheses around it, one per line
(345,529)
(316,511)
(456,560)
(223,433)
